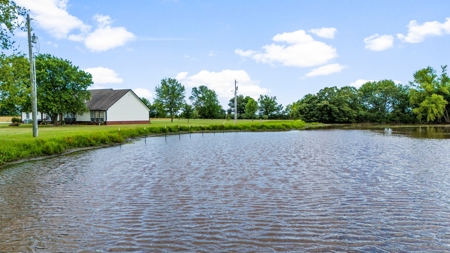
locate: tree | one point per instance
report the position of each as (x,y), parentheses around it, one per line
(14,84)
(9,21)
(384,101)
(187,111)
(250,108)
(146,102)
(268,106)
(329,105)
(61,86)
(430,94)
(170,96)
(205,102)
(308,108)
(241,103)
(293,110)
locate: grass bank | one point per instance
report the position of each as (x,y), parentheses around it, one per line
(17,143)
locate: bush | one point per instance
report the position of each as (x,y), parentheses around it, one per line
(16,120)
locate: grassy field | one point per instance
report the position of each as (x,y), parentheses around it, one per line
(17,142)
(5,119)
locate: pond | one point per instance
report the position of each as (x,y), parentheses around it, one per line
(298,191)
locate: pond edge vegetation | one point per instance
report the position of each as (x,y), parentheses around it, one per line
(29,149)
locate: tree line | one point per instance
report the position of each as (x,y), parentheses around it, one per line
(170,101)
(62,88)
(425,99)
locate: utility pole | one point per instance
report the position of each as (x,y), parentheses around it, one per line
(235,101)
(33,80)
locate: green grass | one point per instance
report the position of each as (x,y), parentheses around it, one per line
(17,142)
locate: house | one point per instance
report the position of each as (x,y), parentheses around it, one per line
(107,106)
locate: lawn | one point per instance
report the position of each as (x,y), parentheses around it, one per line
(24,131)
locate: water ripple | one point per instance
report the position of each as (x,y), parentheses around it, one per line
(310,191)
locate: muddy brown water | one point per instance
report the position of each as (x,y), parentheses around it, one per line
(300,191)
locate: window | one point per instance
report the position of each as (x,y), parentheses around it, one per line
(97,116)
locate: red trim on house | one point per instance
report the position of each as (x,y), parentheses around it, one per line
(127,122)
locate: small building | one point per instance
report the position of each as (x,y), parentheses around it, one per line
(107,106)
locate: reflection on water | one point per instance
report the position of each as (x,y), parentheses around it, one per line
(422,132)
(312,191)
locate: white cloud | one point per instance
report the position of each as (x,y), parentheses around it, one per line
(245,53)
(52,16)
(379,43)
(326,70)
(142,92)
(324,32)
(52,44)
(181,76)
(106,38)
(223,83)
(299,50)
(102,75)
(417,32)
(358,83)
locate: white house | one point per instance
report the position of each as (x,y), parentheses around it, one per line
(107,106)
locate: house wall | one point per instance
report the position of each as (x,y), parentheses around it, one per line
(26,115)
(30,116)
(128,109)
(86,117)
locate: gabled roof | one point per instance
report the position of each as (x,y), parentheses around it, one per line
(102,100)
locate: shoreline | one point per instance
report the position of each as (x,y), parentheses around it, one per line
(80,149)
(208,129)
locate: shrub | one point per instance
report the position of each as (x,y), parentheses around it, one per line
(16,120)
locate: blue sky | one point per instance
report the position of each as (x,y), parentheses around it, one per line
(280,48)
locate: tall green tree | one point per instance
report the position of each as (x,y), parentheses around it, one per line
(14,83)
(206,102)
(61,86)
(292,110)
(384,101)
(241,103)
(268,106)
(187,111)
(430,94)
(329,105)
(250,108)
(308,108)
(170,96)
(10,20)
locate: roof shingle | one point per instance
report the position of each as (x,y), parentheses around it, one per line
(103,99)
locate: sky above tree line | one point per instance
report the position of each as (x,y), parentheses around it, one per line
(283,48)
